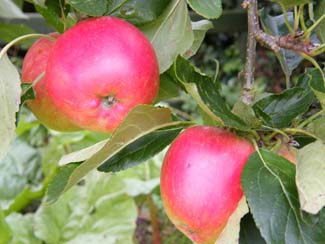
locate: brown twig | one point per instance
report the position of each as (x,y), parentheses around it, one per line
(248,73)
(154,220)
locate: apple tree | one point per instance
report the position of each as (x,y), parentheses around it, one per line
(241,167)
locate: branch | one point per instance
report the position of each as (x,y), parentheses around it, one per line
(248,73)
(298,42)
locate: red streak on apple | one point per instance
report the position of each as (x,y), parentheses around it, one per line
(200,180)
(99,70)
(42,106)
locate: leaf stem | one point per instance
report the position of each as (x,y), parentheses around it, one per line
(18,39)
(302,19)
(300,131)
(311,28)
(286,20)
(277,131)
(311,12)
(38,78)
(287,77)
(310,119)
(316,65)
(296,18)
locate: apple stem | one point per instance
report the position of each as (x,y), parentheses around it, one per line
(154,220)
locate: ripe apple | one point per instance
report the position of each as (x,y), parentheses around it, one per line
(200,180)
(99,70)
(42,106)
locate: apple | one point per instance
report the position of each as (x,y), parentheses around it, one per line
(288,152)
(200,180)
(99,70)
(42,106)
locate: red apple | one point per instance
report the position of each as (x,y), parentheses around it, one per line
(42,106)
(200,180)
(99,70)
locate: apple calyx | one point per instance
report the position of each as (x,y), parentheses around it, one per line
(109,101)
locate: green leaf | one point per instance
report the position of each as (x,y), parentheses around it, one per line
(135,187)
(9,32)
(10,10)
(19,3)
(140,12)
(205,90)
(310,177)
(143,178)
(319,12)
(26,94)
(167,88)
(131,155)
(83,154)
(137,132)
(22,227)
(267,120)
(304,140)
(54,12)
(58,144)
(276,26)
(268,181)
(140,150)
(135,11)
(5,231)
(9,100)
(199,29)
(230,233)
(317,127)
(249,234)
(171,34)
(92,8)
(284,107)
(247,114)
(60,182)
(210,9)
(317,84)
(20,168)
(286,4)
(97,211)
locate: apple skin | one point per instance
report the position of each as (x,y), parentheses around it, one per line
(200,180)
(42,106)
(99,70)
(288,152)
